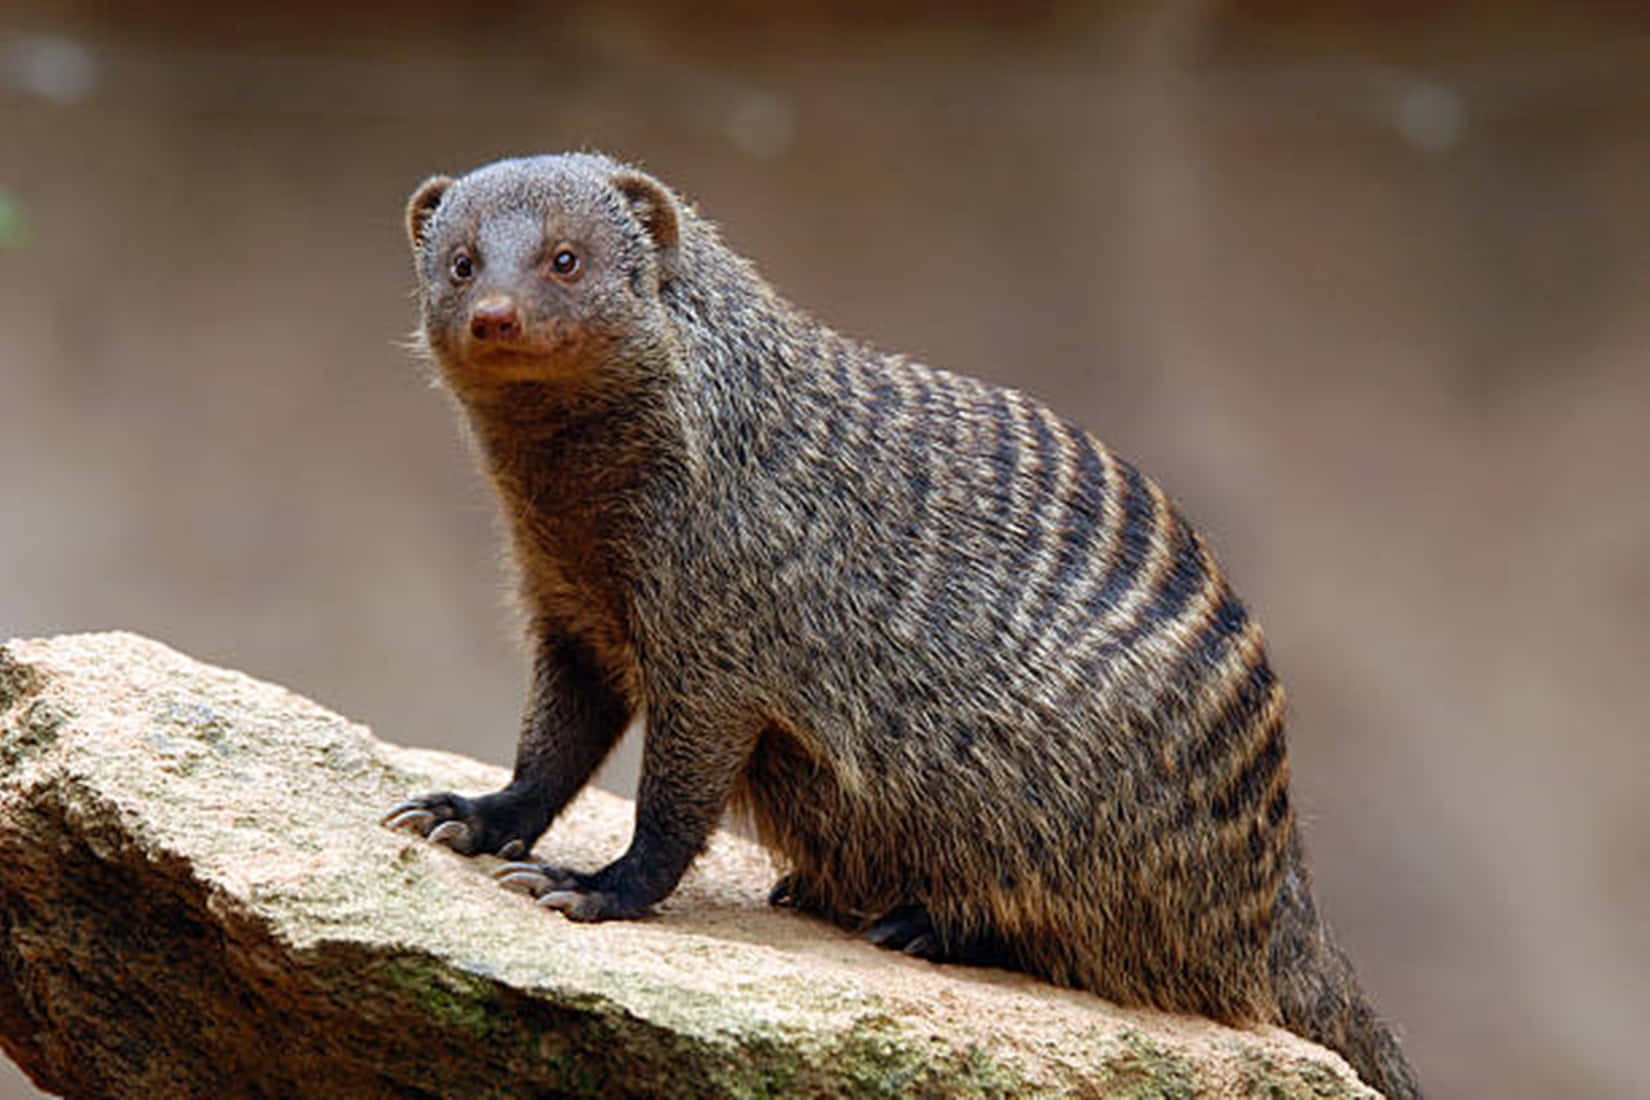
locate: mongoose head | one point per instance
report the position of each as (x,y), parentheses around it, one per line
(542,269)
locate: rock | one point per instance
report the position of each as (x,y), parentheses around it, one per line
(196,898)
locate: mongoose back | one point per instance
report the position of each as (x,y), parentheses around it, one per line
(972,677)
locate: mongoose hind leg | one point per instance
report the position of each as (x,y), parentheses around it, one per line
(911,929)
(906,928)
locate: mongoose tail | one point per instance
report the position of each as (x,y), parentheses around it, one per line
(1318,993)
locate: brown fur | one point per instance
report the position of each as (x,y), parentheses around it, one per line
(973,677)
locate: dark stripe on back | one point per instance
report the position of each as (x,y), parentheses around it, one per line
(1249,786)
(1005,448)
(916,521)
(1047,474)
(1185,577)
(1183,580)
(1135,542)
(1226,623)
(1225,734)
(1085,511)
(943,426)
(1027,538)
(1278,808)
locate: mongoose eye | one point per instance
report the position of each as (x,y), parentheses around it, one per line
(565,262)
(463,267)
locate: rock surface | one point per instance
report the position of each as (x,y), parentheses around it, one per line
(196,897)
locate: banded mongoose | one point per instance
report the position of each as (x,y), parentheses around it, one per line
(971,676)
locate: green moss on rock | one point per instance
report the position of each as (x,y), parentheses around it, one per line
(457,1000)
(1143,1070)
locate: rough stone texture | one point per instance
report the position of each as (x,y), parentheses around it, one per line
(196,897)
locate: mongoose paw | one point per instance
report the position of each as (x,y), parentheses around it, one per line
(467,826)
(908,928)
(577,895)
(792,892)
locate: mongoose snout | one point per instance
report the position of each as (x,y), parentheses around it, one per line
(495,321)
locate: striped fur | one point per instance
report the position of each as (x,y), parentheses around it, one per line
(949,653)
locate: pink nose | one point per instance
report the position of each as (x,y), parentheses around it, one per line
(495,320)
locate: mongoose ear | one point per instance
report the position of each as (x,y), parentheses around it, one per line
(655,207)
(422,205)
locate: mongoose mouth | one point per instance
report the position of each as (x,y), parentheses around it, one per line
(548,351)
(524,353)
(496,330)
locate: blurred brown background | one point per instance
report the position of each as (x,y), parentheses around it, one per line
(1365,285)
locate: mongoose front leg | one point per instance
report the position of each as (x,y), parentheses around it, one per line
(573,718)
(690,759)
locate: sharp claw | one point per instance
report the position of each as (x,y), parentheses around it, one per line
(412,818)
(513,849)
(532,883)
(920,947)
(516,868)
(560,899)
(450,833)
